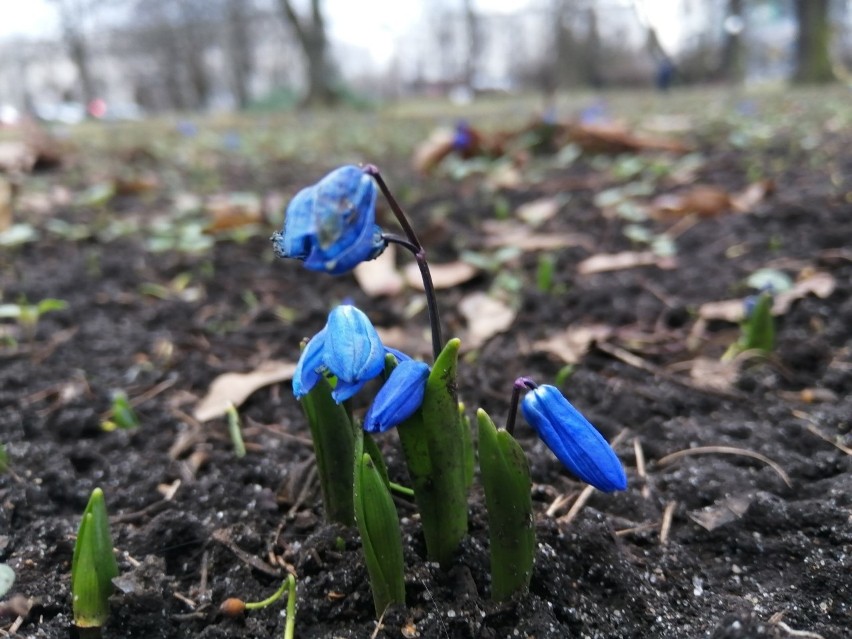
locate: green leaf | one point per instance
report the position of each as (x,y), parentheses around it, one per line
(467,441)
(378,524)
(759,328)
(4,459)
(433,444)
(508,498)
(333,434)
(122,413)
(93,566)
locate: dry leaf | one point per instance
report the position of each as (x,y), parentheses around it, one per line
(714,374)
(820,283)
(500,234)
(504,176)
(431,151)
(573,343)
(235,388)
(5,204)
(486,317)
(604,262)
(538,211)
(444,276)
(379,276)
(752,195)
(613,137)
(701,199)
(233,210)
(16,157)
(136,185)
(724,511)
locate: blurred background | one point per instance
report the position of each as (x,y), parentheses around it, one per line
(66,60)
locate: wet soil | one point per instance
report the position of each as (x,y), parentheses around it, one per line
(709,545)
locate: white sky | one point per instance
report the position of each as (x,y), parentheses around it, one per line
(374,25)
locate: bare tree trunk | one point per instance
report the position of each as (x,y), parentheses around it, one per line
(813,64)
(473,44)
(72,21)
(312,38)
(732,65)
(239,51)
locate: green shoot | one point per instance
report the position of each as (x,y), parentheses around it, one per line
(544,272)
(757,332)
(27,315)
(121,414)
(563,374)
(234,431)
(4,459)
(93,566)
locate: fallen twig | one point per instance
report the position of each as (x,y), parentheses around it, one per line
(727,450)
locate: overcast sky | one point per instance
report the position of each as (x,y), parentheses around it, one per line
(373,25)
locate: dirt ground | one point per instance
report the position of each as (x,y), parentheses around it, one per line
(750,539)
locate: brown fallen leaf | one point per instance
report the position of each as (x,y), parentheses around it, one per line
(819,283)
(573,343)
(16,157)
(379,277)
(537,212)
(233,210)
(444,276)
(500,234)
(714,374)
(752,195)
(5,203)
(700,199)
(604,262)
(431,151)
(235,388)
(137,184)
(615,137)
(486,317)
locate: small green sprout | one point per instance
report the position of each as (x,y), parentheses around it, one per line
(234,431)
(378,525)
(121,414)
(544,272)
(27,315)
(4,458)
(93,566)
(757,332)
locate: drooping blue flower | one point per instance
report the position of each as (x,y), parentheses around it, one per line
(574,441)
(348,348)
(400,396)
(331,225)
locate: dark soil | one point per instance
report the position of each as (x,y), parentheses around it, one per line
(232,527)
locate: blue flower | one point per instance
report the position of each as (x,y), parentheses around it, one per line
(331,226)
(574,441)
(401,395)
(348,348)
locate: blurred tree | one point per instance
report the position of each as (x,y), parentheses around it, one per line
(73,15)
(732,63)
(313,40)
(813,64)
(474,44)
(240,54)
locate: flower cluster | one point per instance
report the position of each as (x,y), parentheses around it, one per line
(331,227)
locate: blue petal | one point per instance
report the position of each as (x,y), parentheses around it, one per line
(344,390)
(309,369)
(401,395)
(299,226)
(353,351)
(400,356)
(574,441)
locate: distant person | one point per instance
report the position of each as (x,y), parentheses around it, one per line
(665,74)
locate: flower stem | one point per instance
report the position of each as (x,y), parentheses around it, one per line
(412,243)
(522,383)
